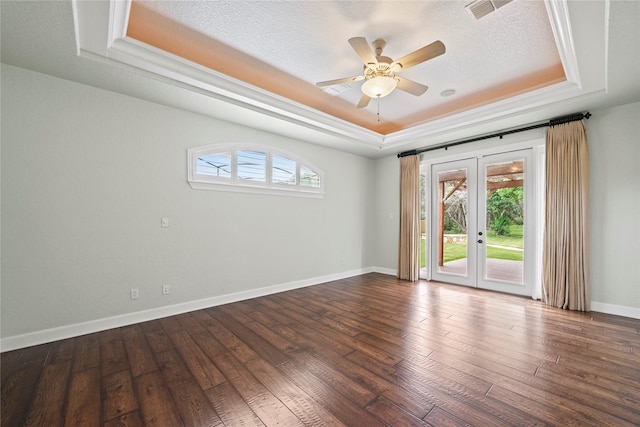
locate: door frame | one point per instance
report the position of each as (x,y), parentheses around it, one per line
(470,164)
(537,167)
(529,225)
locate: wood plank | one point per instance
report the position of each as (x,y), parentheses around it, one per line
(280,342)
(255,342)
(156,404)
(595,378)
(37,353)
(624,402)
(547,411)
(156,336)
(192,404)
(414,403)
(62,351)
(394,415)
(47,406)
(132,419)
(207,342)
(338,403)
(87,352)
(190,323)
(17,390)
(83,402)
(202,368)
(337,380)
(261,401)
(112,353)
(9,361)
(441,418)
(532,389)
(300,403)
(241,350)
(118,396)
(461,400)
(232,409)
(139,355)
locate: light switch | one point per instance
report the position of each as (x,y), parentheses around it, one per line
(164,222)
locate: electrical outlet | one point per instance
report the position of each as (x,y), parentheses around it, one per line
(134,293)
(165,289)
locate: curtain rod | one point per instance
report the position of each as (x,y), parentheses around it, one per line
(551,122)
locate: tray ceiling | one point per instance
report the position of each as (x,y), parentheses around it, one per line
(256,63)
(285,47)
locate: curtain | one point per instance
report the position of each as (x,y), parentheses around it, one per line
(565,277)
(409,244)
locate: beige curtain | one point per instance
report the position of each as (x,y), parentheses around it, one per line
(565,251)
(409,246)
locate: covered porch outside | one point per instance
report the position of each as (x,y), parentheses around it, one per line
(497,269)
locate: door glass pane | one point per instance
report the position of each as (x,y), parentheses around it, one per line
(453,208)
(504,226)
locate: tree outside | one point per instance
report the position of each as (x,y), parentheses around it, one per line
(504,225)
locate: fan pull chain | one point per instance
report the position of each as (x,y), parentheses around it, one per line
(378,109)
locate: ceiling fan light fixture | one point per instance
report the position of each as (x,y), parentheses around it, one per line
(379,86)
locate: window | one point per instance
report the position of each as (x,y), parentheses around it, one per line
(253,168)
(283,170)
(215,165)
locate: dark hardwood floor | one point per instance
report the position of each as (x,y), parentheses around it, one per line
(365,351)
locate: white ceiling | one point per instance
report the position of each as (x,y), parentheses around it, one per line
(598,43)
(308,40)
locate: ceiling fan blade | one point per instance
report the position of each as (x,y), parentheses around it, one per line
(360,45)
(340,81)
(410,86)
(364,101)
(421,55)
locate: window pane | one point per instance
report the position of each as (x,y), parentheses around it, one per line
(283,170)
(453,208)
(309,178)
(218,164)
(252,165)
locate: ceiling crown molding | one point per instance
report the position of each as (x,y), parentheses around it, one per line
(101,35)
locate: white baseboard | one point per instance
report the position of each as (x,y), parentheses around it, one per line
(387,271)
(618,310)
(74,330)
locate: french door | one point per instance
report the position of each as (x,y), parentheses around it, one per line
(482,222)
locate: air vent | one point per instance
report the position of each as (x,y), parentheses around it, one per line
(499,3)
(480,8)
(336,89)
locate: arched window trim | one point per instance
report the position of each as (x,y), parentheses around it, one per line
(233,184)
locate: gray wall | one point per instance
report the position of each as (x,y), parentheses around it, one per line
(87,174)
(614,155)
(86,177)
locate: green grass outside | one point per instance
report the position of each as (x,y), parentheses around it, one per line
(454,251)
(515,239)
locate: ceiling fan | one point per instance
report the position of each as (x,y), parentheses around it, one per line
(380,71)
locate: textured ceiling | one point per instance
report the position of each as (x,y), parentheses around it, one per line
(286,46)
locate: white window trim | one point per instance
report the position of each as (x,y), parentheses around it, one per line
(233,184)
